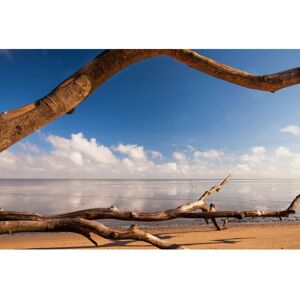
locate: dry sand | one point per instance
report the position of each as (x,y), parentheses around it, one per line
(245,236)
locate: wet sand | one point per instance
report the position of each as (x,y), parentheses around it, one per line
(236,236)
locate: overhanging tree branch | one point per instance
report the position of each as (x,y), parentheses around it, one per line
(18,123)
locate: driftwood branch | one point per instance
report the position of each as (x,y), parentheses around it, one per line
(183,211)
(109,213)
(18,123)
(85,228)
(81,221)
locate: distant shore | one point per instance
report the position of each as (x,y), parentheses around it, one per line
(285,235)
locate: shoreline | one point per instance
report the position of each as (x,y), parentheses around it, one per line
(268,235)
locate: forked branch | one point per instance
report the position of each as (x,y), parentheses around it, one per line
(81,221)
(13,221)
(183,211)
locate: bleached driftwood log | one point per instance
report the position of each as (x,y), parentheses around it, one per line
(81,221)
(183,211)
(18,123)
(85,228)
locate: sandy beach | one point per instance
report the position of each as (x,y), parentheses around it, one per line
(236,236)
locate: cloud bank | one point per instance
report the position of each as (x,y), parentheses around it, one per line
(79,157)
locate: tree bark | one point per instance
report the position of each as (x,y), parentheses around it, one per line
(19,123)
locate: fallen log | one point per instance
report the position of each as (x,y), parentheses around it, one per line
(108,213)
(80,222)
(116,214)
(182,211)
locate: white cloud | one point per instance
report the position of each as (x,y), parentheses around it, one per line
(283,151)
(156,154)
(180,157)
(292,129)
(258,150)
(79,157)
(190,148)
(255,155)
(210,154)
(7,159)
(78,144)
(134,152)
(28,147)
(242,169)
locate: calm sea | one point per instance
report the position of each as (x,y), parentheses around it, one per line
(58,196)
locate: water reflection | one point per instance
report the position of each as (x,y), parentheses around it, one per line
(57,196)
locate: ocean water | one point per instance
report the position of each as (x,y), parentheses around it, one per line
(59,196)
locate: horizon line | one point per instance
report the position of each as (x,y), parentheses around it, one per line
(231,179)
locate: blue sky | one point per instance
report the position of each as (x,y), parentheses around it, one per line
(161,105)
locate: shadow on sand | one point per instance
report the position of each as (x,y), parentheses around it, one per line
(129,244)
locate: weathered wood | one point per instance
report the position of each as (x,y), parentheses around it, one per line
(295,203)
(116,214)
(18,123)
(85,228)
(182,211)
(81,221)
